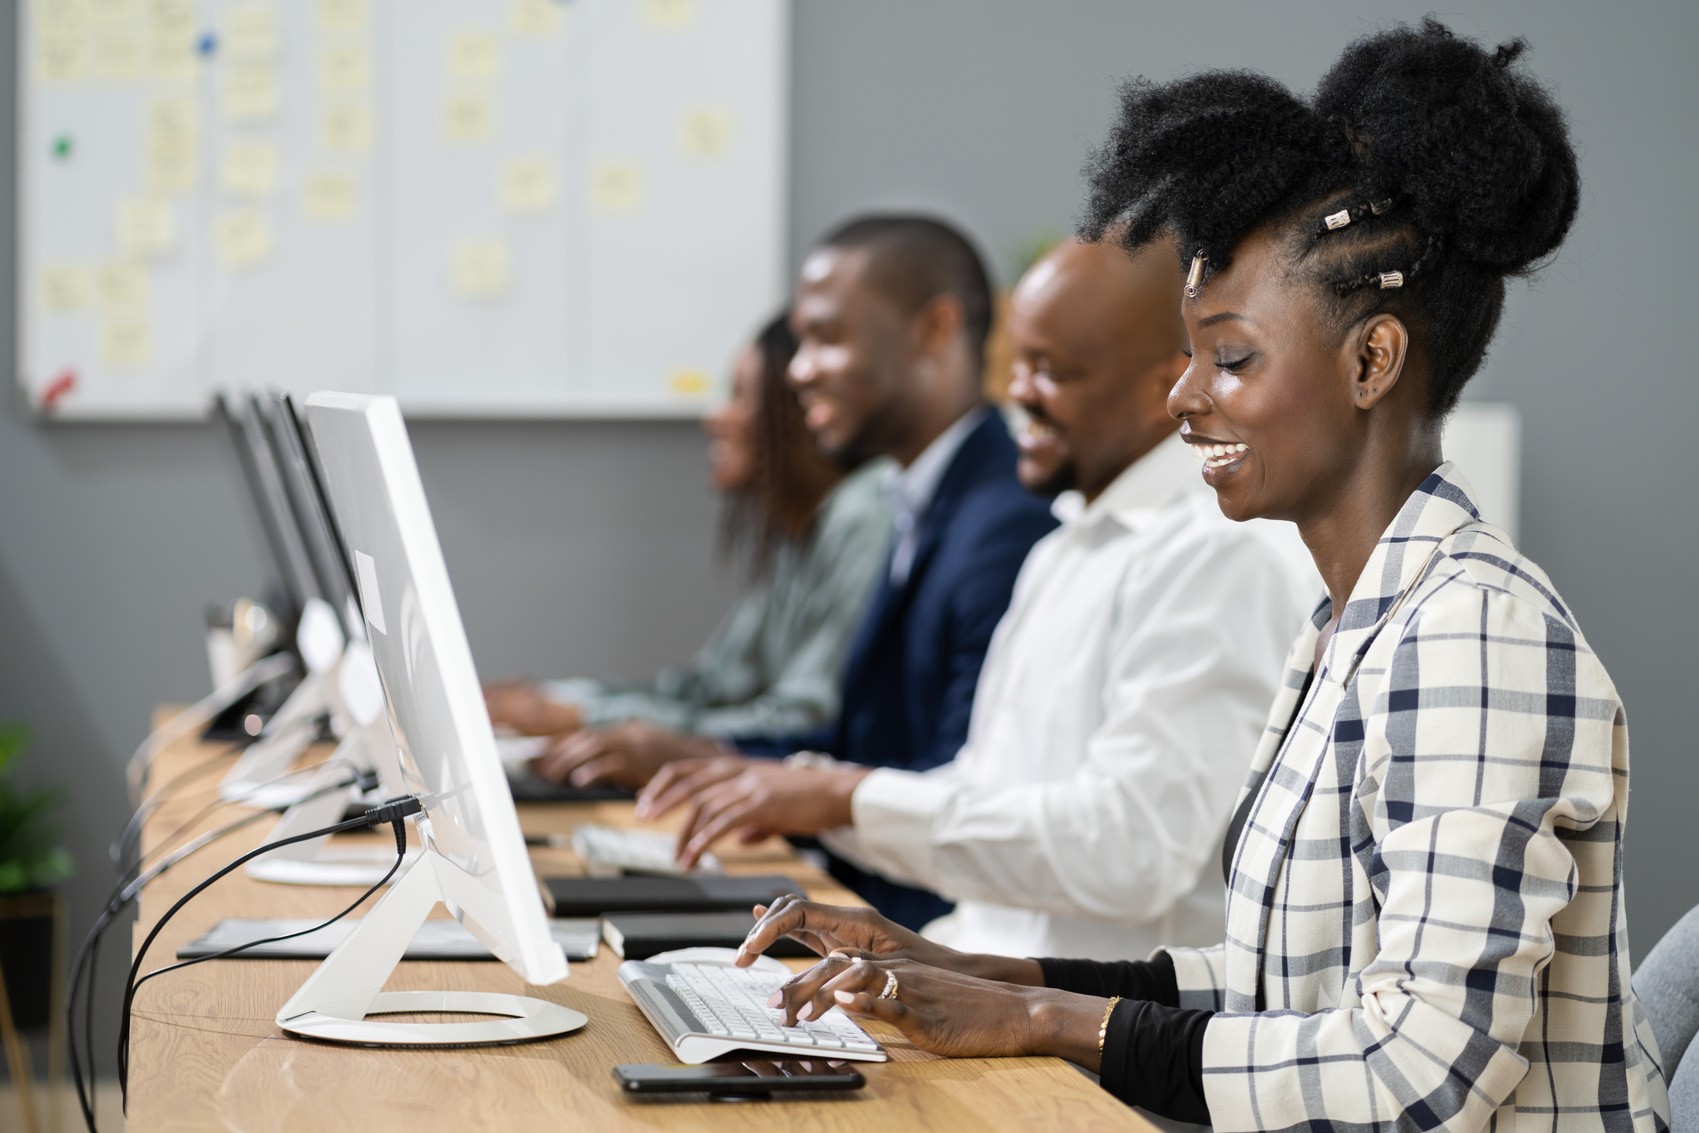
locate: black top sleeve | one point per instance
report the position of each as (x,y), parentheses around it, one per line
(1151,979)
(1152,1050)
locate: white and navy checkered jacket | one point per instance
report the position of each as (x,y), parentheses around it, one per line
(1425,925)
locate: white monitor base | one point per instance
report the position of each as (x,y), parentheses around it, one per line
(523,1020)
(335,1002)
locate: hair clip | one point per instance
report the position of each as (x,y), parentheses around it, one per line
(1194,278)
(1378,207)
(1337,220)
(1391,279)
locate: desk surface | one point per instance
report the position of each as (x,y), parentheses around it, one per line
(206,1053)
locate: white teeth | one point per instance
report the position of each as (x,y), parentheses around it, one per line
(1219,456)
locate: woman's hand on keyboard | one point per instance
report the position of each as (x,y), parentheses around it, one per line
(862,931)
(947,1012)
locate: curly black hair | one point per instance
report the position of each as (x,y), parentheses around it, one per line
(1422,173)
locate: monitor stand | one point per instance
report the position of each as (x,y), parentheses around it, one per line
(336,1002)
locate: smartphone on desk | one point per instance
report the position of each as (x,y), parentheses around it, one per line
(755,1076)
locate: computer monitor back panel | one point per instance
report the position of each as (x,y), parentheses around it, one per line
(310,510)
(446,747)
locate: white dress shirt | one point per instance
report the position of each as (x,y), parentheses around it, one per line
(911,489)
(1120,703)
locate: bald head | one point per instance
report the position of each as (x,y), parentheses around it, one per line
(1098,343)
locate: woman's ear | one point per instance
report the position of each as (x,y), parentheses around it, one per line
(1378,350)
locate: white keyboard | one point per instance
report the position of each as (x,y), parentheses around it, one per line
(705,1010)
(611,850)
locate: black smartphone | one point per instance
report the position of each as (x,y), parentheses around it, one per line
(754,1076)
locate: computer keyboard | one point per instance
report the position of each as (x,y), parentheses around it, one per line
(705,1010)
(610,850)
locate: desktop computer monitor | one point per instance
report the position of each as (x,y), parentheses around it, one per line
(315,527)
(473,859)
(271,502)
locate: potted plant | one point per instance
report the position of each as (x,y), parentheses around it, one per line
(31,862)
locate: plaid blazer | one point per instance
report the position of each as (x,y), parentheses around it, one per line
(1425,924)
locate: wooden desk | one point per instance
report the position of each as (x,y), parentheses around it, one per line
(206,1054)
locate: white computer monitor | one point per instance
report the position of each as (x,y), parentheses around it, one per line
(473,857)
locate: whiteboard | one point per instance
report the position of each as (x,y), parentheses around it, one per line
(483,207)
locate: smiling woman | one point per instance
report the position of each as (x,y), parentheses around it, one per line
(1425,924)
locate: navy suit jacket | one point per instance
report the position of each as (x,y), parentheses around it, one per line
(912,668)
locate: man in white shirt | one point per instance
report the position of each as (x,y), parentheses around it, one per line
(1124,690)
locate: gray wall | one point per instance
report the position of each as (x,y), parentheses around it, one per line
(587,547)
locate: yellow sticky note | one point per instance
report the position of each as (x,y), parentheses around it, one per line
(172,15)
(64,288)
(250,31)
(529,185)
(536,19)
(618,186)
(109,11)
(329,195)
(703,132)
(172,145)
(249,167)
(146,226)
(346,127)
(60,12)
(689,383)
(172,56)
(172,121)
(126,339)
(480,269)
(468,117)
(59,53)
(123,283)
(250,93)
(118,52)
(340,15)
(670,15)
(242,238)
(473,55)
(345,69)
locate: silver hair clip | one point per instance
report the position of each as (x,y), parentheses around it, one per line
(1337,220)
(1391,279)
(1194,278)
(1379,207)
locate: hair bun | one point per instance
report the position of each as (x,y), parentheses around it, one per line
(1472,145)
(1204,155)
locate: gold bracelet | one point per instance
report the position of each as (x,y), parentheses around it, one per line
(1103,1031)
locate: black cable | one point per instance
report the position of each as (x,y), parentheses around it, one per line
(391,812)
(120,847)
(126,891)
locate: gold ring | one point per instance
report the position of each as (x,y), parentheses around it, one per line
(891,986)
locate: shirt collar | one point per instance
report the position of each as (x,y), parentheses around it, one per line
(1442,504)
(1143,488)
(912,488)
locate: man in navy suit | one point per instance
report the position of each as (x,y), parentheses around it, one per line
(892,313)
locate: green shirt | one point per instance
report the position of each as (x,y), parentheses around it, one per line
(774,664)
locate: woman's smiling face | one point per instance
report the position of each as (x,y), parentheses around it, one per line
(1270,401)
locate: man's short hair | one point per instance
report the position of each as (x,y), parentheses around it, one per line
(914,259)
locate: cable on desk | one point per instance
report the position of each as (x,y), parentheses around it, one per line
(150,805)
(395,813)
(87,959)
